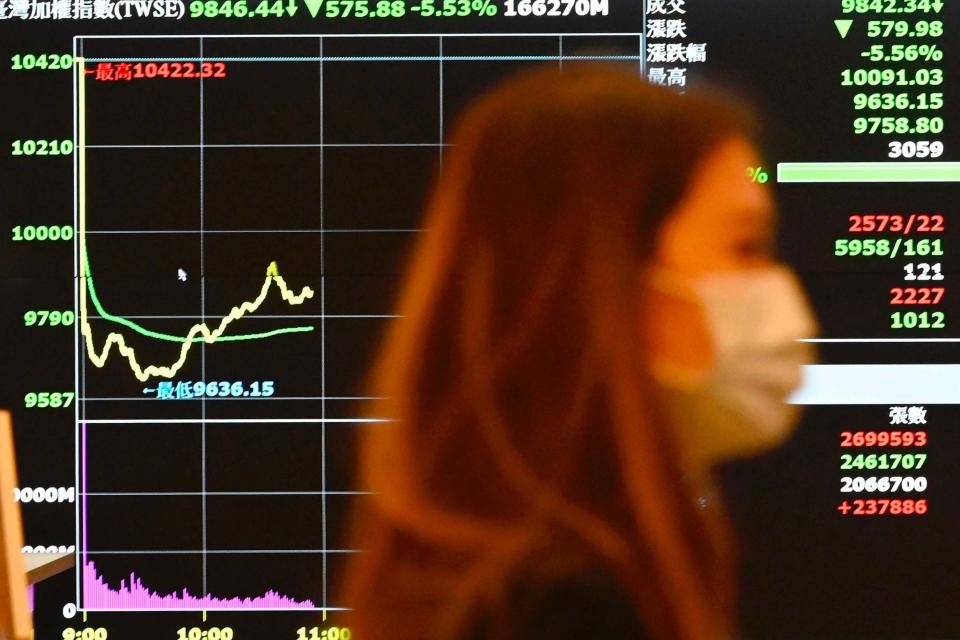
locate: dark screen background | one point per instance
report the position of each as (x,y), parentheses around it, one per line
(807,572)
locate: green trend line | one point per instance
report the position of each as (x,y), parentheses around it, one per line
(106,315)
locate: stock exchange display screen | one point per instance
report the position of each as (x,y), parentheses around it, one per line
(206,206)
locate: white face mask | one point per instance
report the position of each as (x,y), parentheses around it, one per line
(737,407)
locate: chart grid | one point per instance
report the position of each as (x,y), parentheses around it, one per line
(98,388)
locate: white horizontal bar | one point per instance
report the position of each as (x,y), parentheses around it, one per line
(881,384)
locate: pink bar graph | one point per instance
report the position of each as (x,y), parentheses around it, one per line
(133,594)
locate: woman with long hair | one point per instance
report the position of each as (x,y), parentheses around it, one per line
(557,379)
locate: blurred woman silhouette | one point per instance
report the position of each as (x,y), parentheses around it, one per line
(592,319)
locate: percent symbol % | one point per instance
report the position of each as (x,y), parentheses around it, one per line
(931,52)
(757,174)
(484,7)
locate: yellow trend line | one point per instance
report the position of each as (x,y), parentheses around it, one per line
(145,373)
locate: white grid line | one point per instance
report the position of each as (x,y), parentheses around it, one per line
(149,399)
(78,560)
(137,421)
(440,93)
(305,36)
(116,494)
(292,145)
(264,317)
(323,334)
(145,232)
(222,610)
(361,59)
(123,552)
(203,345)
(643,43)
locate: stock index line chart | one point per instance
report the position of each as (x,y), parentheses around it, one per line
(226,188)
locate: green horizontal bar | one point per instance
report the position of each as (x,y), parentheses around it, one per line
(868,172)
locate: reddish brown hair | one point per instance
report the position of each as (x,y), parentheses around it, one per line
(517,378)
